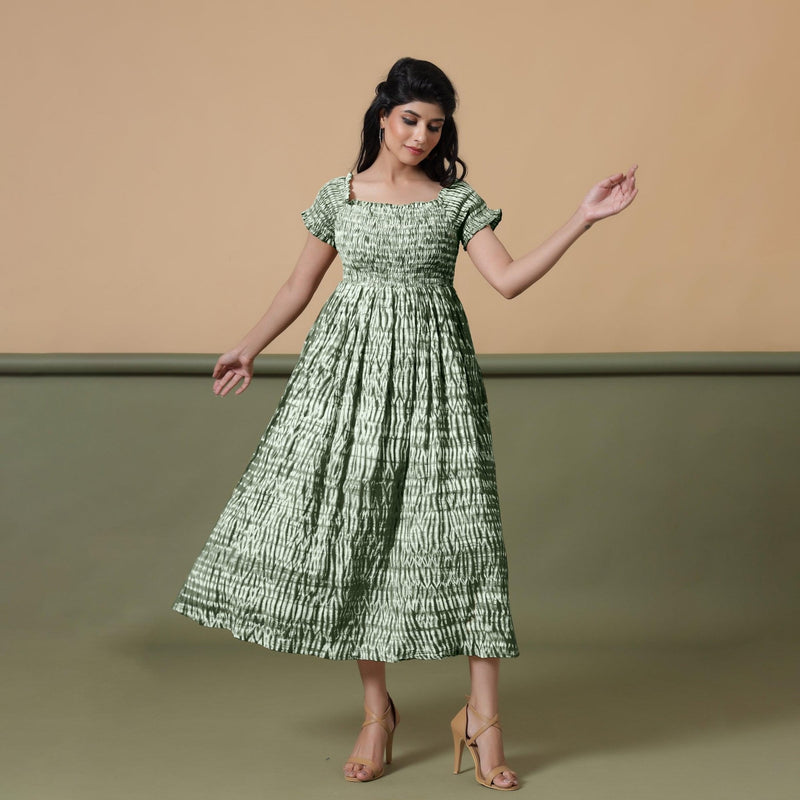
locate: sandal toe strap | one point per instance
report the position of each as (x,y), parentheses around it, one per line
(355,759)
(492,773)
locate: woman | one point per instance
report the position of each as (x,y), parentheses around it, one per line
(367,525)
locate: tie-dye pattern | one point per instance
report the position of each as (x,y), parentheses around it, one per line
(367,522)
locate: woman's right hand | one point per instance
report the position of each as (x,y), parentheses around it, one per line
(231,367)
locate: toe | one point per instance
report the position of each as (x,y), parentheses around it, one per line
(505,778)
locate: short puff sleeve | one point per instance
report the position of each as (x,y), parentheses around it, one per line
(474,215)
(320,216)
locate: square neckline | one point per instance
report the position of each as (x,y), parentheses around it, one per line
(352,200)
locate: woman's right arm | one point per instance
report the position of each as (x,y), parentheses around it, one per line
(286,307)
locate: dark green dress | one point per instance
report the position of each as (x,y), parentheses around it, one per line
(367,522)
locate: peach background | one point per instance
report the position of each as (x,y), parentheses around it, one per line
(157,154)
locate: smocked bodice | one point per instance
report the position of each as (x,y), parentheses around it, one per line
(408,243)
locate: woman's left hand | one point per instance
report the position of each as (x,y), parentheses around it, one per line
(610,196)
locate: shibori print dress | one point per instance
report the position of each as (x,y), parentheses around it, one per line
(367,522)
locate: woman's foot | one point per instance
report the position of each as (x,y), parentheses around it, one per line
(490,749)
(371,743)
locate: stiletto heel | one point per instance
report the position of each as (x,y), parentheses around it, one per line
(458,746)
(382,720)
(458,726)
(389,745)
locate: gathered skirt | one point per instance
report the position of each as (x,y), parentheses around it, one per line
(367,522)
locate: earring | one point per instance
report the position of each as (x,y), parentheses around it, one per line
(380,136)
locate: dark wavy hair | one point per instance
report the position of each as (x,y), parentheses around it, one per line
(414,79)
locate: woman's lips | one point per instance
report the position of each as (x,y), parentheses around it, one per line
(415,151)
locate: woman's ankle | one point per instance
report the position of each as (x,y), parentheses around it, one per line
(486,707)
(377,700)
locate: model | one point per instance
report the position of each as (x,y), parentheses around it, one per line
(366,525)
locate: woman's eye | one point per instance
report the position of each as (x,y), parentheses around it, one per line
(414,122)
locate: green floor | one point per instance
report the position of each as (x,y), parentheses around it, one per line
(651,525)
(136,716)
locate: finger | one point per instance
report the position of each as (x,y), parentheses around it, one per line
(230,380)
(629,182)
(220,368)
(244,385)
(234,382)
(223,373)
(629,199)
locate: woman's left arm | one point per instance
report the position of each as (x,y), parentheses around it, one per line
(513,276)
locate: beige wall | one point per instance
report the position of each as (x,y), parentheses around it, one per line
(156,156)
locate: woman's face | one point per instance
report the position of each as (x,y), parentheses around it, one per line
(412,130)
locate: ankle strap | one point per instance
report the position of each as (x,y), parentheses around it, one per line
(487,723)
(381,719)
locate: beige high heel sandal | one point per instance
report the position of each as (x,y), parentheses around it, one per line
(383,721)
(458,726)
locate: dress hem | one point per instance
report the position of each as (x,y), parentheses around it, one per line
(286,646)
